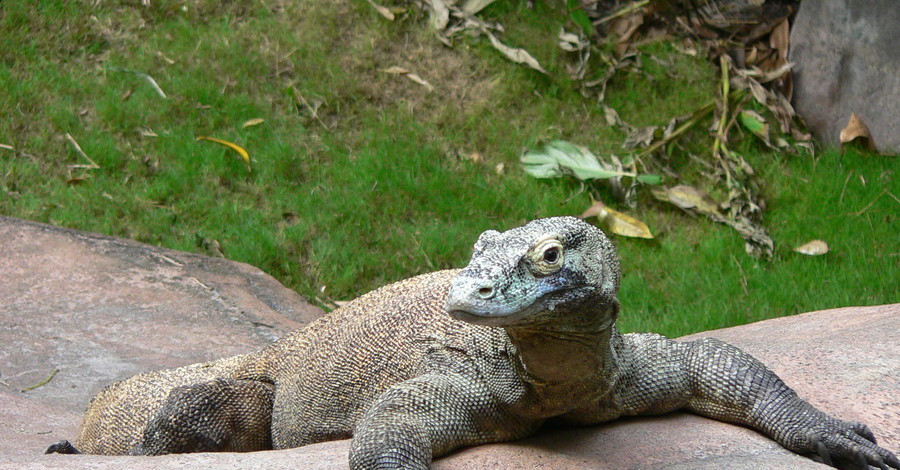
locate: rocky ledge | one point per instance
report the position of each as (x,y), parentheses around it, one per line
(97,309)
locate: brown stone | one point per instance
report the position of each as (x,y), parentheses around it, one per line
(100,309)
(846,62)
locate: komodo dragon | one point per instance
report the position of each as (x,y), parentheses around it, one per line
(523,335)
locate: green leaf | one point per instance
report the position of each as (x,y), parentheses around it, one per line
(559,157)
(650,179)
(578,15)
(754,123)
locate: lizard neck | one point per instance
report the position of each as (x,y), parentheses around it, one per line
(549,357)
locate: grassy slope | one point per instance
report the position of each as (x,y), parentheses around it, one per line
(378,184)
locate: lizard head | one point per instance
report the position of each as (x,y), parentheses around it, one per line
(549,271)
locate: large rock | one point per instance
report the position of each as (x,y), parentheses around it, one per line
(847,61)
(100,309)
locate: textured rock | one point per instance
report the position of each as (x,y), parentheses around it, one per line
(100,309)
(846,59)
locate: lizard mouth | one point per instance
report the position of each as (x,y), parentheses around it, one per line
(492,313)
(493,319)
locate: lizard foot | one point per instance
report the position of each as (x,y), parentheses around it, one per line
(849,445)
(62,447)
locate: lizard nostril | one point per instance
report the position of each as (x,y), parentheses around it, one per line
(486,292)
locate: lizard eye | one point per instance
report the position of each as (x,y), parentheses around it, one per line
(551,255)
(547,256)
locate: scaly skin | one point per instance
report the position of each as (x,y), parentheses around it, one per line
(525,333)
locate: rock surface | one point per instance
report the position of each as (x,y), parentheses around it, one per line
(846,59)
(100,309)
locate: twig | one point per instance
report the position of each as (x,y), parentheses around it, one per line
(92,166)
(719,143)
(622,11)
(864,209)
(844,189)
(312,110)
(48,379)
(7,147)
(743,275)
(143,75)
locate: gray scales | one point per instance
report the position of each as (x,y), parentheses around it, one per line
(523,336)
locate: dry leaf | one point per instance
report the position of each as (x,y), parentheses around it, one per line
(440,15)
(813,248)
(237,148)
(640,137)
(515,54)
(571,42)
(612,117)
(617,222)
(499,168)
(147,132)
(857,129)
(252,122)
(688,198)
(779,39)
(476,157)
(382,10)
(474,6)
(406,73)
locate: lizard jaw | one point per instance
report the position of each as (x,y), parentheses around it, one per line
(485,318)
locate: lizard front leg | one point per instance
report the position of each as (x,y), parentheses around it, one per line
(730,385)
(426,417)
(717,380)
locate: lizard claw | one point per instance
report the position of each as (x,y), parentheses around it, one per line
(62,447)
(850,445)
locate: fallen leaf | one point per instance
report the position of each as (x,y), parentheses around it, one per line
(755,123)
(688,198)
(440,15)
(474,6)
(616,222)
(640,137)
(515,54)
(252,122)
(476,157)
(857,129)
(571,42)
(813,248)
(383,11)
(237,148)
(779,39)
(406,73)
(147,132)
(499,168)
(558,157)
(612,116)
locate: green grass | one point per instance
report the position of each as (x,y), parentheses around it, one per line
(378,184)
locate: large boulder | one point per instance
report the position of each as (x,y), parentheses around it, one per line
(100,309)
(847,61)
